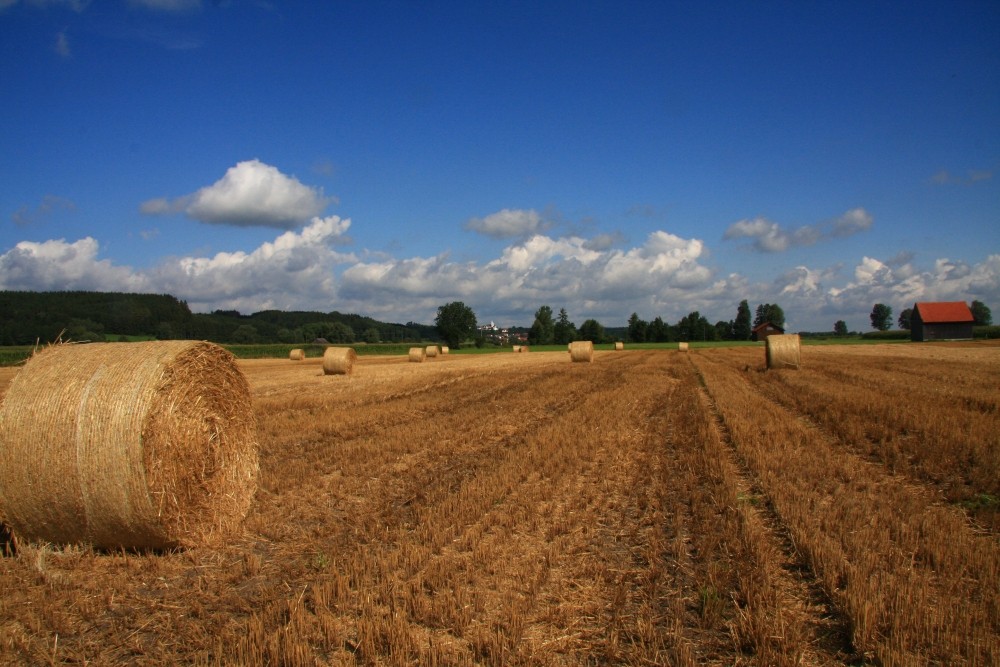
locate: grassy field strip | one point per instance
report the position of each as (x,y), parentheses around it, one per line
(784,616)
(915,582)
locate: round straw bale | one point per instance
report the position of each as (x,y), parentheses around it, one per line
(581,350)
(128,445)
(782,351)
(298,354)
(515,348)
(444,349)
(524,348)
(619,346)
(431,350)
(418,354)
(683,347)
(339,360)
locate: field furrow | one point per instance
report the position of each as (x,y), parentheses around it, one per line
(915,582)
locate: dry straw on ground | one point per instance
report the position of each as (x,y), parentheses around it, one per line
(298,354)
(431,350)
(581,350)
(339,360)
(147,445)
(619,346)
(683,347)
(783,351)
(417,354)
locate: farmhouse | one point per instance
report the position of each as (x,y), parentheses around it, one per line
(943,320)
(765,329)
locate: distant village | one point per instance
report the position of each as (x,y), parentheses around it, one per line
(502,336)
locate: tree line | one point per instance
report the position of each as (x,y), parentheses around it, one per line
(546,330)
(30,317)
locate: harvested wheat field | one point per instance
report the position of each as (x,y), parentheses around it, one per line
(651,507)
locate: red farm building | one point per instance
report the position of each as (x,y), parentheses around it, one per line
(942,320)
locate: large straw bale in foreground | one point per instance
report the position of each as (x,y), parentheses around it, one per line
(339,360)
(147,445)
(297,354)
(417,354)
(783,351)
(581,350)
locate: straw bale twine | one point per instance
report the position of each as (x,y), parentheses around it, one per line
(298,354)
(683,347)
(418,354)
(782,351)
(131,445)
(431,350)
(444,349)
(581,350)
(619,346)
(339,360)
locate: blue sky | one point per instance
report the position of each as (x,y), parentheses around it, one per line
(386,158)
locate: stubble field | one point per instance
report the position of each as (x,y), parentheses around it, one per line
(651,507)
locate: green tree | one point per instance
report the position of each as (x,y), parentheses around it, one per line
(371,335)
(593,331)
(694,326)
(456,323)
(840,328)
(245,334)
(724,330)
(881,317)
(905,316)
(769,312)
(741,325)
(564,331)
(981,315)
(542,331)
(637,329)
(658,331)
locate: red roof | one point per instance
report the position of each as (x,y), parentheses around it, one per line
(944,311)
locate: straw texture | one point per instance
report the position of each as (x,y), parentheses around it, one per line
(619,346)
(581,350)
(431,350)
(339,360)
(297,354)
(418,354)
(444,349)
(147,445)
(783,351)
(683,347)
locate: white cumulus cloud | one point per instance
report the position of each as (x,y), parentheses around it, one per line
(507,223)
(251,193)
(768,236)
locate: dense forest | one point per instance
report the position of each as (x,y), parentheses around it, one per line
(30,317)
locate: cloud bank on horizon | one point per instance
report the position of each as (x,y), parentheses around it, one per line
(305,268)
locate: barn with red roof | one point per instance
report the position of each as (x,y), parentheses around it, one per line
(941,320)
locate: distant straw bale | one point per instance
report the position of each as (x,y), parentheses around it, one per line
(339,360)
(683,347)
(783,351)
(581,350)
(418,354)
(619,346)
(431,350)
(128,445)
(298,354)
(524,348)
(515,348)
(444,349)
